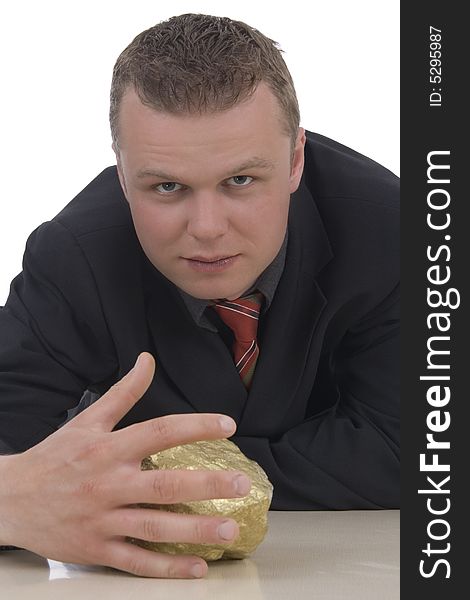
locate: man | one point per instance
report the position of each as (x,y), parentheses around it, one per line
(221,212)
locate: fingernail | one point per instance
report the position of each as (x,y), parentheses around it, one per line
(242,485)
(226,531)
(197,570)
(227,424)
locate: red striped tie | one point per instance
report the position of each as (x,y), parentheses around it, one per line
(241,315)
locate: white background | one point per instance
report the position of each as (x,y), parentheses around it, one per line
(56,64)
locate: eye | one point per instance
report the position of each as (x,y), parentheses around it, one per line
(241,180)
(167,188)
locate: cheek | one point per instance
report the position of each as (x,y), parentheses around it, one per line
(156,226)
(264,227)
(273,212)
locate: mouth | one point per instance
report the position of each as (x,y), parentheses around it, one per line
(208,259)
(211,264)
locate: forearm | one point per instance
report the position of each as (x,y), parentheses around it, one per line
(337,463)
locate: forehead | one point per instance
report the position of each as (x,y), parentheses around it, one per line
(250,129)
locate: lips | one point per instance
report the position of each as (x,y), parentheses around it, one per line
(211,264)
(210,259)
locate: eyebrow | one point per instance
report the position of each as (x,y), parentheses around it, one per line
(253,163)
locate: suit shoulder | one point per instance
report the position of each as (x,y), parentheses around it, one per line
(99,206)
(358,203)
(95,228)
(333,170)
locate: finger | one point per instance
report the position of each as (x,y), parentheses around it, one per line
(120,398)
(172,486)
(141,439)
(145,563)
(162,526)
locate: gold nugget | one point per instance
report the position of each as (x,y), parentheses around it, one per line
(250,512)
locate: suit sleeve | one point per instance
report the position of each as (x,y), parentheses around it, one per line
(54,342)
(348,456)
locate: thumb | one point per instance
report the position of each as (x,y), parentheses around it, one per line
(106,412)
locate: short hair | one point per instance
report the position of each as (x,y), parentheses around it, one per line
(195,64)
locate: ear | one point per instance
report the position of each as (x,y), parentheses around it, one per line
(122,180)
(297,166)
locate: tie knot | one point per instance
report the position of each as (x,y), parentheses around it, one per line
(241,315)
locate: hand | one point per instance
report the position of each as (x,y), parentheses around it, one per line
(70,497)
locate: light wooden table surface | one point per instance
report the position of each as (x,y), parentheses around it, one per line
(305,555)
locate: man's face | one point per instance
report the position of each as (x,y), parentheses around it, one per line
(209,194)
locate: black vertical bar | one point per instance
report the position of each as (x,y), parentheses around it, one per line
(435,271)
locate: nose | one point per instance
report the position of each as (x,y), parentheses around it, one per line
(207,217)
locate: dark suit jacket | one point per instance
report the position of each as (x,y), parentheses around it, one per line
(322,415)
